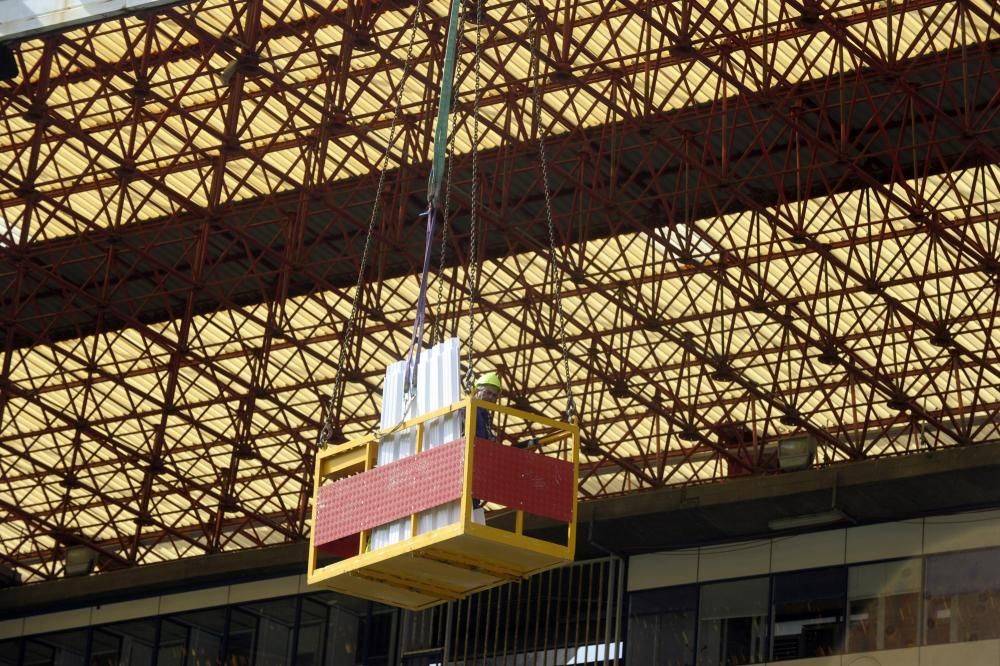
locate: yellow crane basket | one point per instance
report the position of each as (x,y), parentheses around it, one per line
(354,498)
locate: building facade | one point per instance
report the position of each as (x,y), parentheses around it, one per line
(923,591)
(919,592)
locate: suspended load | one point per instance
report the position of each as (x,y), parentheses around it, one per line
(431,507)
(407,527)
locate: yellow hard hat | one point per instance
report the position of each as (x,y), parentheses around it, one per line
(489,379)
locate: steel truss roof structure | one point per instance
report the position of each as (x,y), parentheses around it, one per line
(772,218)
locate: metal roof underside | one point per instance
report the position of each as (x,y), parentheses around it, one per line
(770,217)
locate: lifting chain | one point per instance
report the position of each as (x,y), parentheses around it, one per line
(474,268)
(336,398)
(534,69)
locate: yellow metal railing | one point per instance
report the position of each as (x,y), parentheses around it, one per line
(463,556)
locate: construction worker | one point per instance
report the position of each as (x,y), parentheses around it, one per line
(488,390)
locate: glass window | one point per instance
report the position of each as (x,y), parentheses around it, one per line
(241,638)
(808,612)
(661,626)
(192,639)
(10,652)
(732,622)
(884,602)
(37,653)
(376,635)
(124,644)
(962,597)
(343,632)
(66,648)
(312,633)
(261,633)
(105,648)
(173,644)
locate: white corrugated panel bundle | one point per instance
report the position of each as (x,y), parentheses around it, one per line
(438,385)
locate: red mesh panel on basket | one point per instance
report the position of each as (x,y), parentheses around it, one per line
(389,492)
(523,480)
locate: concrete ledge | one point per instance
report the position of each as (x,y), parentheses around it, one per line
(154,580)
(867,491)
